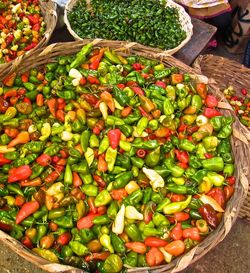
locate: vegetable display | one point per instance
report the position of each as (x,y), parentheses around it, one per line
(22,27)
(108,162)
(148,22)
(240,104)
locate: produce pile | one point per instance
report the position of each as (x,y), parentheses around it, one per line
(147,22)
(110,161)
(22,27)
(240,104)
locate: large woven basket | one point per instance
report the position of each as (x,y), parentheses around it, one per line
(43,56)
(48,8)
(226,73)
(185,22)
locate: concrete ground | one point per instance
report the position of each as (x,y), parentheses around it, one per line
(230,256)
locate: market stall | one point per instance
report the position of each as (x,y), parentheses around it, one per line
(116,156)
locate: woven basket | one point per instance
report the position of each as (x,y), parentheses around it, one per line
(239,143)
(229,73)
(185,22)
(48,8)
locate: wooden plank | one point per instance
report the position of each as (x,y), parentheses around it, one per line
(203,32)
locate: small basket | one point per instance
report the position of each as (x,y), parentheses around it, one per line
(48,54)
(229,73)
(184,18)
(48,8)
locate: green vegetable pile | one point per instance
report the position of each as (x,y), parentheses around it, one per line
(108,162)
(147,22)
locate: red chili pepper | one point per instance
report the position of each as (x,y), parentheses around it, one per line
(26,210)
(91,99)
(181,216)
(95,60)
(182,127)
(86,221)
(64,238)
(9,80)
(228,191)
(137,66)
(4,160)
(102,210)
(218,195)
(77,181)
(137,247)
(210,113)
(99,180)
(5,227)
(114,136)
(29,47)
(192,233)
(176,232)
(121,85)
(97,256)
(36,27)
(141,153)
(102,164)
(131,83)
(31,183)
(244,92)
(231,180)
(10,93)
(119,194)
(92,207)
(209,215)
(161,84)
(182,156)
(27,242)
(211,101)
(39,100)
(20,173)
(52,104)
(19,201)
(148,212)
(207,155)
(144,113)
(99,126)
(92,80)
(201,89)
(9,39)
(154,257)
(44,160)
(155,242)
(176,197)
(34,19)
(138,90)
(52,177)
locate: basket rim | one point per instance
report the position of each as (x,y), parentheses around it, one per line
(181,10)
(235,202)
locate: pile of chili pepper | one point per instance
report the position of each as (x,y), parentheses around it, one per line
(109,161)
(240,104)
(147,22)
(22,27)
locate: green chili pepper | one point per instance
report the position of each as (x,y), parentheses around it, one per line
(133,232)
(194,214)
(68,176)
(225,132)
(112,210)
(147,195)
(215,164)
(131,259)
(64,221)
(187,145)
(198,176)
(163,203)
(86,235)
(153,158)
(110,158)
(134,198)
(177,206)
(103,199)
(113,120)
(81,56)
(56,213)
(78,248)
(160,220)
(122,180)
(90,190)
(117,243)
